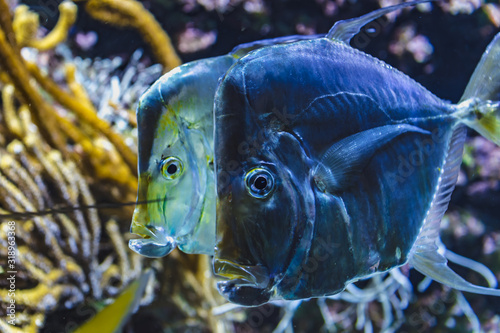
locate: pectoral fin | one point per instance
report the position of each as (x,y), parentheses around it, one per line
(346,159)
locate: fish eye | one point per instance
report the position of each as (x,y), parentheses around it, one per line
(171,167)
(259,182)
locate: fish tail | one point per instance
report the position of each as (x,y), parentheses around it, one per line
(479,107)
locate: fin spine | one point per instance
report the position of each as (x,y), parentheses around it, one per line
(424,255)
(429,232)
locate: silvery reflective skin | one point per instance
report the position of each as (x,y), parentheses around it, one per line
(176,195)
(333,166)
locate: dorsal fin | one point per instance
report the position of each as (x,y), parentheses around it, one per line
(243,49)
(345,30)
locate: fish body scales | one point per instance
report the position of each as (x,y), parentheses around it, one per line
(319,92)
(332,166)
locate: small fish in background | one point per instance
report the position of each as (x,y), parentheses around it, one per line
(176,195)
(310,140)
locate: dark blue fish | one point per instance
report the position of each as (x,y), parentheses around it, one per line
(333,166)
(176,192)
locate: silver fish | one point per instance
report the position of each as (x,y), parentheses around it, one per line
(176,194)
(312,143)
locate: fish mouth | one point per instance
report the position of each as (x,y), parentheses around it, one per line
(154,243)
(247,285)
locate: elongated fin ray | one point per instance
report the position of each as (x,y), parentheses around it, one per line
(346,159)
(424,255)
(477,267)
(434,265)
(345,30)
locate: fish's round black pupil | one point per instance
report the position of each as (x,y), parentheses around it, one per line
(260,182)
(171,169)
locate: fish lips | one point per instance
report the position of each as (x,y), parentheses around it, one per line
(246,282)
(248,285)
(150,248)
(154,243)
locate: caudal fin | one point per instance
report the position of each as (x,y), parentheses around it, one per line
(479,106)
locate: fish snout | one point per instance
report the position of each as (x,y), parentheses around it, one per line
(247,285)
(154,243)
(149,248)
(243,294)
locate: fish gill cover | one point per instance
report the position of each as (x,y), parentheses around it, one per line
(56,153)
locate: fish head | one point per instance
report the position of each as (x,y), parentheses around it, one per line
(265,202)
(176,194)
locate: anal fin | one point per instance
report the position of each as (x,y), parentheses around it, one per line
(424,255)
(435,266)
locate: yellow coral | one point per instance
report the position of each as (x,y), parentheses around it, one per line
(20,78)
(9,111)
(67,10)
(55,271)
(52,125)
(76,89)
(26,24)
(132,14)
(87,113)
(77,256)
(6,25)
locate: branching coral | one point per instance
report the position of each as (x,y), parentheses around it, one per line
(130,13)
(17,73)
(86,112)
(58,35)
(58,258)
(6,24)
(65,259)
(115,86)
(106,159)
(25,27)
